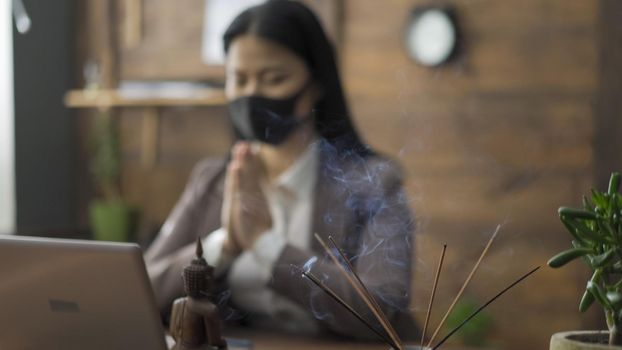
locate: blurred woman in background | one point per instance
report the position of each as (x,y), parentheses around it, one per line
(298,167)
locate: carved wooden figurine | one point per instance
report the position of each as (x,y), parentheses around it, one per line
(195,324)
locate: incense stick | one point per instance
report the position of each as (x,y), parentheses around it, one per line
(341,302)
(372,305)
(482,307)
(438,273)
(466,283)
(369,296)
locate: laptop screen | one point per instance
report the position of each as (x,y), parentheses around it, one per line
(70,294)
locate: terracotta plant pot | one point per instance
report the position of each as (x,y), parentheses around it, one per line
(112,220)
(581,340)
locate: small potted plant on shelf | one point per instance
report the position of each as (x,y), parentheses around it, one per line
(596,231)
(111,218)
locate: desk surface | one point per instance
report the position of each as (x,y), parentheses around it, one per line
(267,340)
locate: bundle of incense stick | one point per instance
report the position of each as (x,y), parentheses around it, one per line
(390,336)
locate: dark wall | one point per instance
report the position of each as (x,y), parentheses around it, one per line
(43,126)
(608,107)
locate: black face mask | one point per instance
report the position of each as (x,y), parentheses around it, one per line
(257,118)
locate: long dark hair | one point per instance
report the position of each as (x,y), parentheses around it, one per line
(294,26)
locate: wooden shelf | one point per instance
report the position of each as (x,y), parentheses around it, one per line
(151,103)
(115,98)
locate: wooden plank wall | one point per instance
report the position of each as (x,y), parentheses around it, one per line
(502,136)
(608,106)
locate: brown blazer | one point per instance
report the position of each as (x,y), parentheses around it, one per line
(359,201)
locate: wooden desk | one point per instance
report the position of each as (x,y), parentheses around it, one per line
(267,340)
(270,340)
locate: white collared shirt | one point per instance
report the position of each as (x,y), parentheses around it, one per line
(290,200)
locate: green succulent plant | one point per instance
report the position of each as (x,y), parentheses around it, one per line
(106,159)
(596,230)
(476,332)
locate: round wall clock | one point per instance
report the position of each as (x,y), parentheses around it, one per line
(431,36)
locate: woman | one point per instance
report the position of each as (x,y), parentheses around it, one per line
(298,168)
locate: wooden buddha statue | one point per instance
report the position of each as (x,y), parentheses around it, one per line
(195,323)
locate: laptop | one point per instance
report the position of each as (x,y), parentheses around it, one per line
(71,294)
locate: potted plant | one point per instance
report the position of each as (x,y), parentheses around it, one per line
(596,231)
(111,218)
(476,333)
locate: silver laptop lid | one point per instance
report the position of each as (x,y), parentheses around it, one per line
(70,294)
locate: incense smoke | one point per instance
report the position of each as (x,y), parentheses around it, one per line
(226,310)
(366,191)
(307,266)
